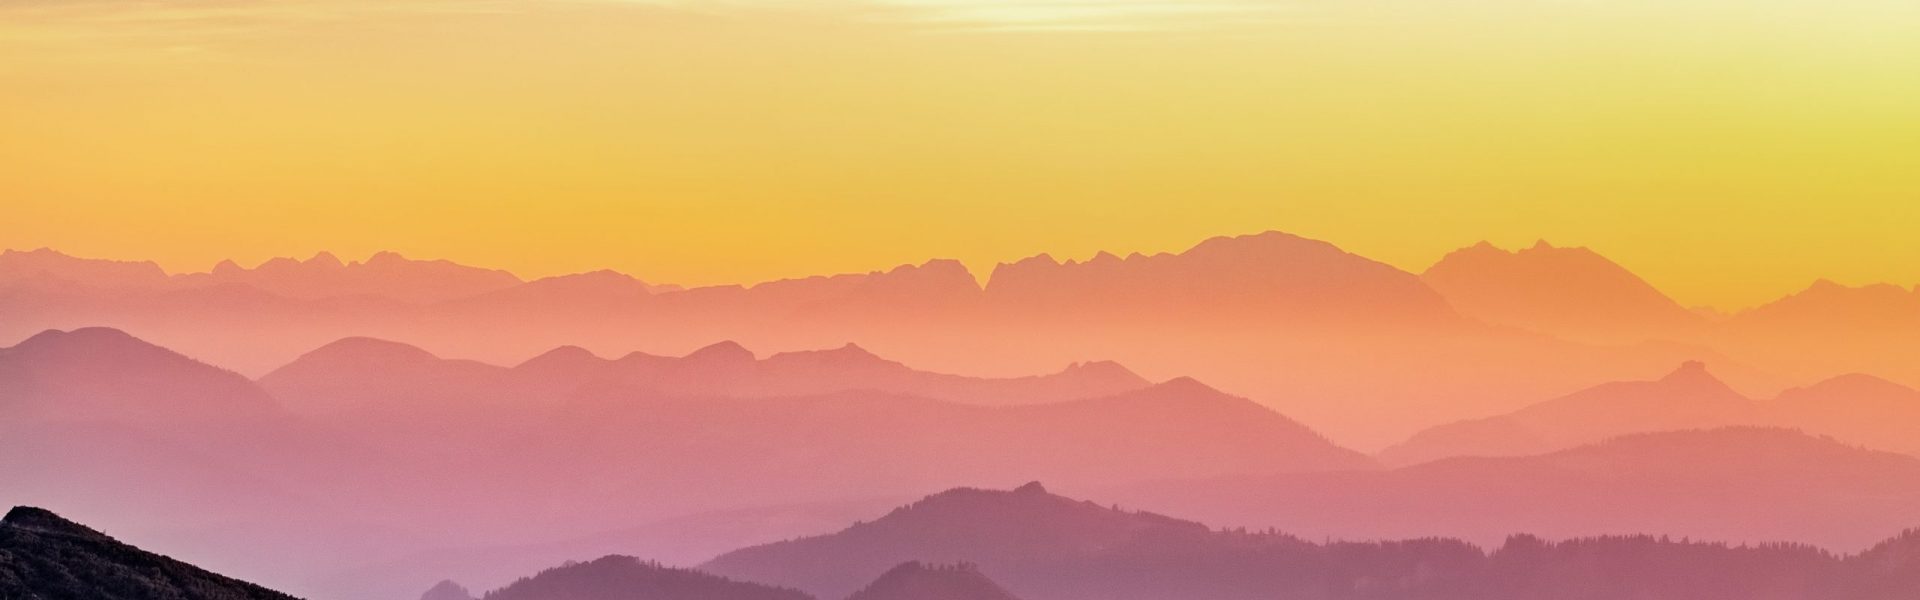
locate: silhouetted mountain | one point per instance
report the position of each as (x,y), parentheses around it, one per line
(920,581)
(680,541)
(47,268)
(1263,277)
(100,373)
(1007,532)
(45,556)
(1861,409)
(1733,484)
(1689,397)
(447,590)
(627,578)
(1828,306)
(1227,310)
(811,448)
(366,373)
(385,274)
(1045,547)
(603,288)
(1573,293)
(905,287)
(1832,328)
(1888,571)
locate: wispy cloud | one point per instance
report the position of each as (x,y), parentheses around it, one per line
(188,23)
(1077,15)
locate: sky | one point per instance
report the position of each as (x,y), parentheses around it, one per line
(1728,151)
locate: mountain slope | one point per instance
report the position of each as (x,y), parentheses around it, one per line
(1733,484)
(814,448)
(447,590)
(920,581)
(1688,397)
(45,556)
(358,374)
(366,373)
(1007,532)
(385,274)
(627,578)
(46,267)
(97,373)
(1861,409)
(1832,328)
(1266,277)
(1572,293)
(1046,547)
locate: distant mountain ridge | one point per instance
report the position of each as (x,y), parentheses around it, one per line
(1688,397)
(1569,292)
(1744,484)
(98,372)
(1047,547)
(420,438)
(1205,311)
(365,371)
(1270,275)
(1855,408)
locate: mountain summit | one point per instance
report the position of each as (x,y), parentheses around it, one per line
(1573,293)
(921,581)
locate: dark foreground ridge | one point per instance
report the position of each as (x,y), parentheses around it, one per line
(43,556)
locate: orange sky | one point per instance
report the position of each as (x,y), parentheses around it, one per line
(1728,151)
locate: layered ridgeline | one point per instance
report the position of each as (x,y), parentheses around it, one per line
(1293,322)
(43,556)
(380,455)
(1052,548)
(617,577)
(365,373)
(1040,546)
(459,467)
(1732,484)
(1857,409)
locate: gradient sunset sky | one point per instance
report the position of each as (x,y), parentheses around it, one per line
(1729,151)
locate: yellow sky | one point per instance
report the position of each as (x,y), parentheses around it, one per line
(1729,151)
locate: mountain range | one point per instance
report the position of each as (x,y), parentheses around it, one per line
(1738,484)
(1401,351)
(567,446)
(1041,546)
(1856,408)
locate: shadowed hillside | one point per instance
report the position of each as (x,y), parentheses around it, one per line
(921,581)
(627,578)
(43,556)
